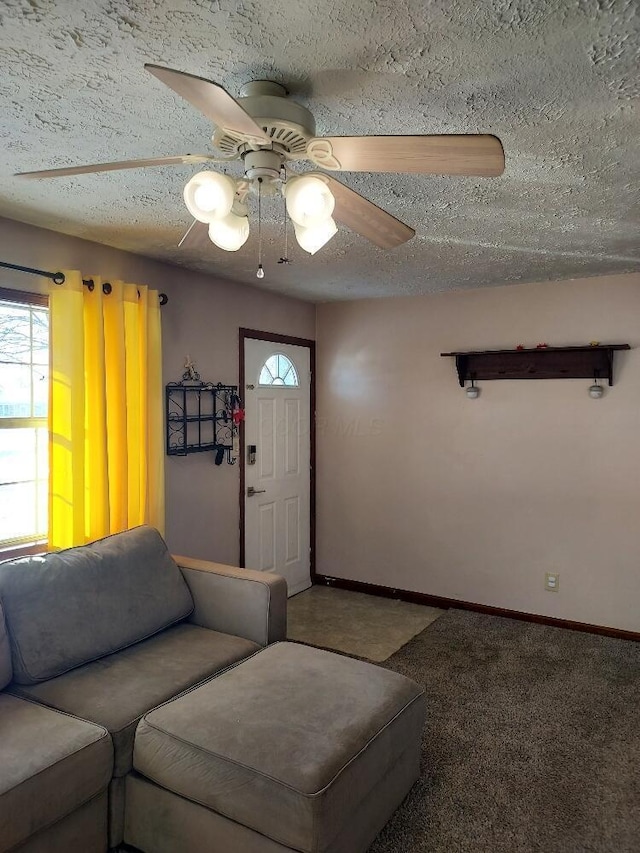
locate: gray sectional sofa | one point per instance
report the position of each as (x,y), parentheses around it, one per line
(139,703)
(91,639)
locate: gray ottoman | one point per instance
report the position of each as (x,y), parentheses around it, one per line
(292,749)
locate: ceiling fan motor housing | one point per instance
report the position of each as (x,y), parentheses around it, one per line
(289,124)
(262,164)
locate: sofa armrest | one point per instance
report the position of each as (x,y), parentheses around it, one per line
(236,601)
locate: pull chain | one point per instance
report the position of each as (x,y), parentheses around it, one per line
(260,271)
(285,258)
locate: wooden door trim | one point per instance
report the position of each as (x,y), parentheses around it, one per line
(258,335)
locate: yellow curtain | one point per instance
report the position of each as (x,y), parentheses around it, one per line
(106,453)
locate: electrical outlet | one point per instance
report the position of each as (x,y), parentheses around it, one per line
(551,581)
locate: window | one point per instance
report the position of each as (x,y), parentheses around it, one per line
(24,394)
(279,370)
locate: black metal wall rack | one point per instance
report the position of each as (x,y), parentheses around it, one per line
(199,418)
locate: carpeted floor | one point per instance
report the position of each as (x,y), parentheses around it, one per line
(532,741)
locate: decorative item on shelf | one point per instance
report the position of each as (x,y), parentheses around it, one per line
(473,392)
(594,343)
(520,347)
(202,416)
(542,346)
(190,373)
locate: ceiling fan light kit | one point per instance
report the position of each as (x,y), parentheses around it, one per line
(314,238)
(209,196)
(309,201)
(230,233)
(266,130)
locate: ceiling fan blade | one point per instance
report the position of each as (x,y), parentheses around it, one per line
(196,236)
(464,154)
(122,164)
(211,99)
(365,217)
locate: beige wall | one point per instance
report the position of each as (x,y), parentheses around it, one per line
(418,487)
(421,489)
(201,319)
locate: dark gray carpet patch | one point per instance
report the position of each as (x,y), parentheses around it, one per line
(532,741)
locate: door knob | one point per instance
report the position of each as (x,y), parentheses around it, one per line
(251,491)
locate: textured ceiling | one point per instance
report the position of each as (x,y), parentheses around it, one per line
(558,82)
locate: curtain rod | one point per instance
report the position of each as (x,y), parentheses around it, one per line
(59,278)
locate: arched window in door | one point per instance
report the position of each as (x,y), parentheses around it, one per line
(279,370)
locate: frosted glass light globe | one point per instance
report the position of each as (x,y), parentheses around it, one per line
(209,196)
(309,201)
(595,391)
(312,239)
(230,233)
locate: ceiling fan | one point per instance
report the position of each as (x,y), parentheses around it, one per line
(268,131)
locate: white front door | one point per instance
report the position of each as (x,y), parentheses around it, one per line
(277,460)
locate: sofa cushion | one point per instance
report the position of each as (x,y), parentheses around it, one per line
(50,763)
(82,831)
(289,743)
(117,690)
(67,608)
(5,653)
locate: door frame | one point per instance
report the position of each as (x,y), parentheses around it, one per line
(259,335)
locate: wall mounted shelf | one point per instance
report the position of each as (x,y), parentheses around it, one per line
(199,418)
(539,363)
